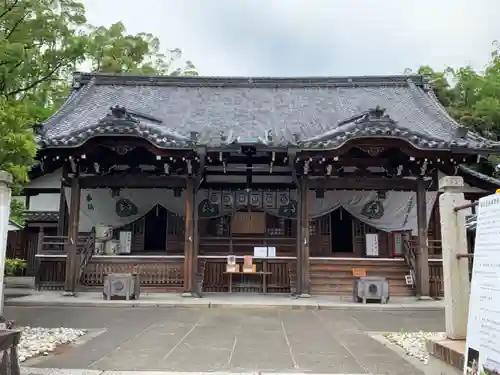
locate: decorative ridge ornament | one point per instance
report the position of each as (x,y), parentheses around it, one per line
(377,112)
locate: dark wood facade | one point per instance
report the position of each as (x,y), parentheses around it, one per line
(371,151)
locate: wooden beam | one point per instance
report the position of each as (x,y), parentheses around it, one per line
(31,192)
(71,246)
(366,183)
(243,186)
(357,162)
(133,181)
(423,251)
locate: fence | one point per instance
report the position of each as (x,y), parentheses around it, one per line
(9,360)
(470,252)
(436,279)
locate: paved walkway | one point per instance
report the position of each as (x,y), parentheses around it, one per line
(229,340)
(28,371)
(237,300)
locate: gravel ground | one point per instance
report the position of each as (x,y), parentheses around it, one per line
(413,343)
(37,341)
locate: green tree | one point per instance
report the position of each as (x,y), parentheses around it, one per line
(472,97)
(39,46)
(17,211)
(112,50)
(41,43)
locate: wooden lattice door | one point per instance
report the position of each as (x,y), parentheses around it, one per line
(138,228)
(359,230)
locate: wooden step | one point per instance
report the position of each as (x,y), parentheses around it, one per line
(370,272)
(334,276)
(331,291)
(344,280)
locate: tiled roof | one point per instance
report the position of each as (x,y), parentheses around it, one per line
(41,216)
(182,112)
(13,226)
(479,175)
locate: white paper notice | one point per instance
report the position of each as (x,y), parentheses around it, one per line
(260,252)
(483,328)
(372,244)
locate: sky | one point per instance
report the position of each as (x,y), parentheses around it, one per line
(312,37)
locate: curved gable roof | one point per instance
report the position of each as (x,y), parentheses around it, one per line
(178,112)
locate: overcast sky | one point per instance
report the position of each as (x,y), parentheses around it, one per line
(312,37)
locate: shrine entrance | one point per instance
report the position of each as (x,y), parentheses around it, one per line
(155,231)
(342,231)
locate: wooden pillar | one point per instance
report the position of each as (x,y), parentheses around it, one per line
(72,265)
(61,223)
(304,246)
(27,202)
(303,288)
(196,239)
(423,251)
(299,240)
(189,240)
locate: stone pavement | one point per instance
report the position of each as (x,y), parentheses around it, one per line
(229,340)
(27,371)
(217,300)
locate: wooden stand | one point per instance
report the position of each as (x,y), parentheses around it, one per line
(259,273)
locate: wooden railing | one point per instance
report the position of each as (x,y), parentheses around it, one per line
(86,253)
(214,279)
(436,289)
(51,268)
(245,244)
(433,247)
(436,277)
(158,272)
(436,280)
(9,361)
(410,259)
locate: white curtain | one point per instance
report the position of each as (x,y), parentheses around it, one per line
(396,211)
(100,207)
(398,208)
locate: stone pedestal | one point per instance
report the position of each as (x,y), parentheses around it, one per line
(5,182)
(446,357)
(455,270)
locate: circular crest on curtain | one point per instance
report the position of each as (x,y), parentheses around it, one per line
(125,207)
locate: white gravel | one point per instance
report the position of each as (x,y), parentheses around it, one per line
(413,343)
(37,341)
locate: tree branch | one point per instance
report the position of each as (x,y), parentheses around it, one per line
(37,82)
(18,22)
(10,8)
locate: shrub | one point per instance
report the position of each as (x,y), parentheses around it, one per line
(14,266)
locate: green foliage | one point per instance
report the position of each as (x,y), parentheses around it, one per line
(41,43)
(471,97)
(17,209)
(17,143)
(112,50)
(14,266)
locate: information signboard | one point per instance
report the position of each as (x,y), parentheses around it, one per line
(483,328)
